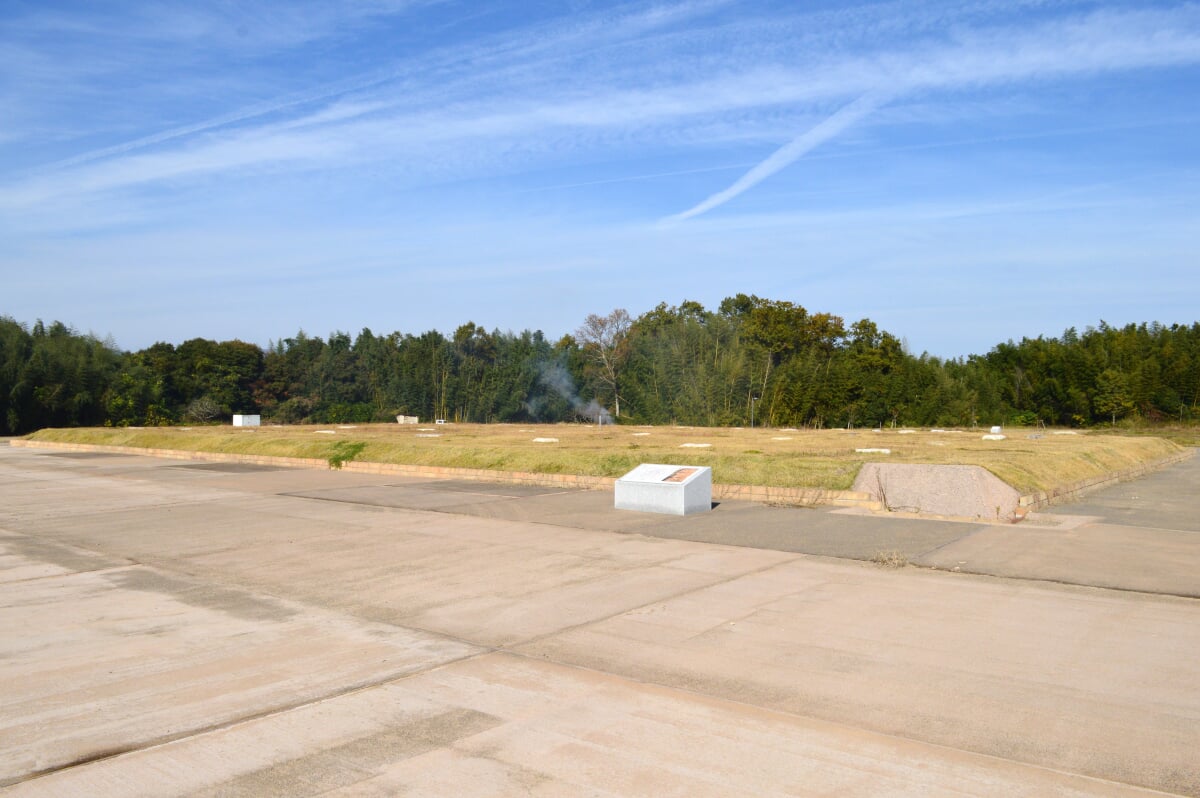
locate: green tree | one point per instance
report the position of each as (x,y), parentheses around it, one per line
(1112,397)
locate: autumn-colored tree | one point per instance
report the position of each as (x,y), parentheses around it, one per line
(604,340)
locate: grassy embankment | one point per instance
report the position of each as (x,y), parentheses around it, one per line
(1184,434)
(1027,460)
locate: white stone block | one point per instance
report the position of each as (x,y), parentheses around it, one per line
(669,489)
(240,420)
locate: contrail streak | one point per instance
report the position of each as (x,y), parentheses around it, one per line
(788,153)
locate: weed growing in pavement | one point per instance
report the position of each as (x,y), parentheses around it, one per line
(890,559)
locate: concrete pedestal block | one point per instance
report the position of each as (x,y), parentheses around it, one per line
(669,489)
(243,420)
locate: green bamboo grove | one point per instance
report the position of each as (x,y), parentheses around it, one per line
(769,361)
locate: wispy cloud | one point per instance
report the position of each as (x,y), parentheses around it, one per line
(149,151)
(436,78)
(257,24)
(585,86)
(1101,43)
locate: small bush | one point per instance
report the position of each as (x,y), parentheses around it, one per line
(343,452)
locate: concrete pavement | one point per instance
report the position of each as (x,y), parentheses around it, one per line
(1142,535)
(181,629)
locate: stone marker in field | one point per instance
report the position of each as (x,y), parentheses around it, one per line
(670,489)
(242,420)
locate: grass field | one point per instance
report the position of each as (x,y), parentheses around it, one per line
(1187,434)
(1027,460)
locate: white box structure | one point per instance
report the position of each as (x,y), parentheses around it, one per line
(669,489)
(240,420)
(408,420)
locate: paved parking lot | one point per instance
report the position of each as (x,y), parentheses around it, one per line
(176,628)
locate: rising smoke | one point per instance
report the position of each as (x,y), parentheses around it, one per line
(554,377)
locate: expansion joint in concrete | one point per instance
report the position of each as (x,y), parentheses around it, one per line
(659,600)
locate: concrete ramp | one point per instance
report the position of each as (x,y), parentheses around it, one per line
(962,491)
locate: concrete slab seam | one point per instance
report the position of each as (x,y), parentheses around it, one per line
(229,724)
(812,719)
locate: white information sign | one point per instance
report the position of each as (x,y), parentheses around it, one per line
(670,489)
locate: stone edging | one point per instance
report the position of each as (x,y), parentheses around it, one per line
(1074,490)
(808,497)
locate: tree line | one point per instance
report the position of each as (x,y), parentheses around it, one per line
(751,360)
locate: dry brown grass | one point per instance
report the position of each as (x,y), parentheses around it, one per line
(807,458)
(889,559)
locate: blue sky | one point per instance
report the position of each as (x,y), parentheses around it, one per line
(960,172)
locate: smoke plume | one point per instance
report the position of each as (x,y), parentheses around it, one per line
(555,378)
